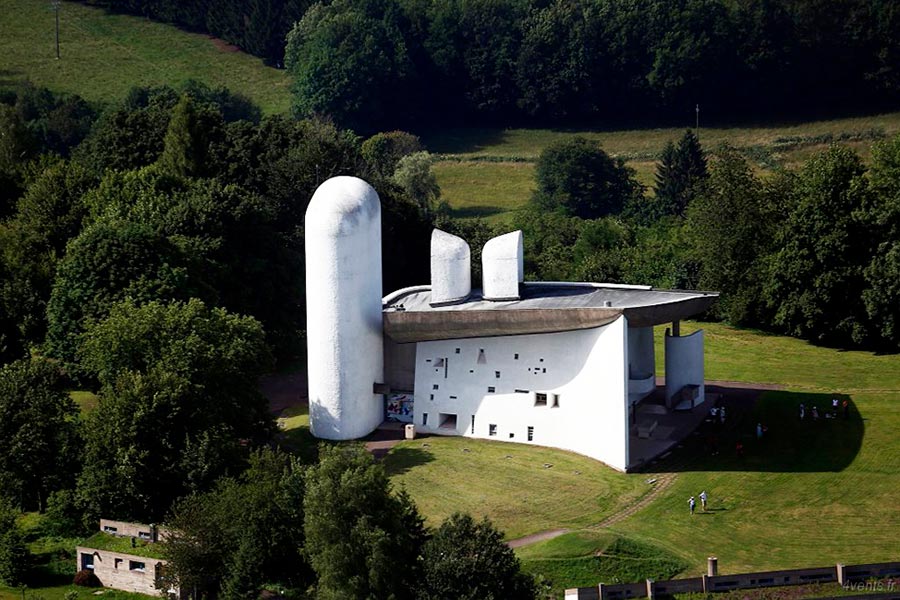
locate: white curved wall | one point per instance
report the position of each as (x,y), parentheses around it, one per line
(503,266)
(684,363)
(343,309)
(451,268)
(587,371)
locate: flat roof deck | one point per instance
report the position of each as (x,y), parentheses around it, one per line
(544,307)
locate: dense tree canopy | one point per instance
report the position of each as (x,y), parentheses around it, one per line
(579,178)
(179,394)
(362,540)
(39,442)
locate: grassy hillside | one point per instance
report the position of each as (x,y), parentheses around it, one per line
(103,56)
(489,172)
(808,493)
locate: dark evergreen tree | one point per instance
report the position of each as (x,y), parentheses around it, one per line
(679,174)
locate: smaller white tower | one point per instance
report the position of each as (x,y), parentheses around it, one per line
(343,309)
(451,268)
(503,266)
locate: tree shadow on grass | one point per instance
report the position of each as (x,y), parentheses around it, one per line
(403,459)
(788,444)
(462,140)
(476,211)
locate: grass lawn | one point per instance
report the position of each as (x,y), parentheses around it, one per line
(489,190)
(807,494)
(103,56)
(474,182)
(508,483)
(86,401)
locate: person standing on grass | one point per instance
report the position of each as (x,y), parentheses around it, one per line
(692,503)
(703,498)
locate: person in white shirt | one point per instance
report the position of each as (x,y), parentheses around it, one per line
(703,498)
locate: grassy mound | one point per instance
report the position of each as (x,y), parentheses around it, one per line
(585,558)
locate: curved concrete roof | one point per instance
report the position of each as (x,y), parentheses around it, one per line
(543,308)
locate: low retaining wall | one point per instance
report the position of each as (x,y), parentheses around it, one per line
(842,574)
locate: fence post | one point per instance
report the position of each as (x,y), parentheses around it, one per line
(651,589)
(601,591)
(841,569)
(706,589)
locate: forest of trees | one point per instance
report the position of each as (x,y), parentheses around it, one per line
(374,65)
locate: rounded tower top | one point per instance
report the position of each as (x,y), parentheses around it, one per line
(341,205)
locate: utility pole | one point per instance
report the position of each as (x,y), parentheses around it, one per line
(697,121)
(55,4)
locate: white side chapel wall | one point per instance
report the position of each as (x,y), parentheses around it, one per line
(584,372)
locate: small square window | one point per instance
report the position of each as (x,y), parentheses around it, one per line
(492,429)
(457,351)
(134,565)
(497,374)
(531,434)
(453,397)
(144,535)
(540,399)
(544,370)
(424,419)
(512,435)
(110,529)
(491,389)
(521,391)
(542,360)
(435,386)
(516,356)
(431,396)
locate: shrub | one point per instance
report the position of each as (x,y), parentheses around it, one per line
(86,578)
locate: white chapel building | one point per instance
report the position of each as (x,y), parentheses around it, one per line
(547,363)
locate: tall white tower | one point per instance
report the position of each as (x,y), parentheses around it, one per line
(343,309)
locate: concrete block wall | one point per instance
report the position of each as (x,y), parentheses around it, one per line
(119,571)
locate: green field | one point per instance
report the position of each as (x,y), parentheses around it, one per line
(807,494)
(489,172)
(102,56)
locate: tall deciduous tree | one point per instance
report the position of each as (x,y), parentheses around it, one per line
(732,230)
(14,556)
(468,560)
(817,276)
(363,541)
(882,296)
(179,394)
(579,178)
(39,441)
(349,61)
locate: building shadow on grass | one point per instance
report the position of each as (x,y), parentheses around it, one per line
(788,444)
(403,459)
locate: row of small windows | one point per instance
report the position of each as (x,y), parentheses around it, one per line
(482,358)
(448,421)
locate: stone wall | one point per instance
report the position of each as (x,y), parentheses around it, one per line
(123,571)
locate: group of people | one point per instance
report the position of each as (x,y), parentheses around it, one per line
(835,405)
(692,503)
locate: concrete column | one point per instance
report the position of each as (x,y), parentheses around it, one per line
(676,328)
(841,570)
(651,589)
(712,566)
